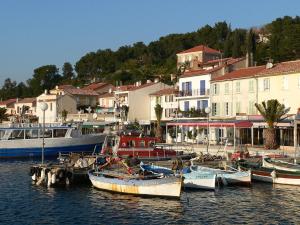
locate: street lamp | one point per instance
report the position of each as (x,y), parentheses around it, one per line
(43,107)
(207,111)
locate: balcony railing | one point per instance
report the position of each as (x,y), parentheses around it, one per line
(194,92)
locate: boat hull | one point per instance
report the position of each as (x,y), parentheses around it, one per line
(23,148)
(280,165)
(164,187)
(200,181)
(277,178)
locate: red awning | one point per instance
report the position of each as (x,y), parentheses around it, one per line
(240,124)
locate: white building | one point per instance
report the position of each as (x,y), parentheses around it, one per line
(166,98)
(56,104)
(137,98)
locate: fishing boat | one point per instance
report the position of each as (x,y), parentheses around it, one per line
(139,147)
(230,176)
(27,141)
(160,186)
(280,165)
(191,179)
(270,175)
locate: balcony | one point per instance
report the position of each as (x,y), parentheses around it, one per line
(194,93)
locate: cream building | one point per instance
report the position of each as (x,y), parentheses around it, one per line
(166,98)
(137,98)
(30,103)
(56,104)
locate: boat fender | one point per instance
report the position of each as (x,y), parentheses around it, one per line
(33,177)
(49,179)
(273,174)
(53,178)
(42,177)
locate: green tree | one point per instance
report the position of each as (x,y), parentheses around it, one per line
(64,114)
(68,71)
(3,114)
(273,112)
(158,112)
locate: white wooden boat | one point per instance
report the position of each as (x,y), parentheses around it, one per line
(191,179)
(163,187)
(270,175)
(231,177)
(280,165)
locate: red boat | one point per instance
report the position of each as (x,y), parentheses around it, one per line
(136,146)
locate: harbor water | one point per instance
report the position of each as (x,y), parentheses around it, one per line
(22,202)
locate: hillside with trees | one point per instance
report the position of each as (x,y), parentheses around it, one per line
(278,40)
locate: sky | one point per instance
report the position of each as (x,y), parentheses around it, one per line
(34,33)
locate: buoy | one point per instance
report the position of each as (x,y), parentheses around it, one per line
(49,179)
(53,178)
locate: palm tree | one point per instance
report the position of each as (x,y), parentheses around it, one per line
(3,115)
(158,112)
(273,112)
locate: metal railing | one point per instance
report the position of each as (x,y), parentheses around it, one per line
(194,92)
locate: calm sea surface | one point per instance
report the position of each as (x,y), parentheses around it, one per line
(21,202)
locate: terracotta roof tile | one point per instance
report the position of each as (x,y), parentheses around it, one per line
(95,86)
(106,95)
(142,86)
(166,91)
(65,86)
(78,91)
(124,87)
(8,101)
(27,100)
(282,68)
(199,48)
(240,73)
(199,72)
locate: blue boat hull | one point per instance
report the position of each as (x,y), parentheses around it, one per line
(48,152)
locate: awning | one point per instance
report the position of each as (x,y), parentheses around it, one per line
(239,124)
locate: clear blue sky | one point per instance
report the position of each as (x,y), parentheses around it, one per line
(40,32)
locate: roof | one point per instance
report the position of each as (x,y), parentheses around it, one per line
(241,73)
(78,91)
(200,72)
(124,87)
(166,91)
(95,86)
(200,48)
(106,95)
(8,101)
(142,86)
(65,86)
(282,68)
(27,100)
(236,123)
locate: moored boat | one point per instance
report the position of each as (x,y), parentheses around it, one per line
(230,176)
(145,148)
(270,175)
(27,141)
(191,179)
(157,186)
(280,165)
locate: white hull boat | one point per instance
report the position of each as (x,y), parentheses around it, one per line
(161,187)
(280,165)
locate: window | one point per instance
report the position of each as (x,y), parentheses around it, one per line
(215,89)
(226,88)
(187,88)
(226,108)
(171,98)
(237,107)
(237,87)
(251,86)
(285,83)
(214,109)
(202,104)
(251,108)
(266,83)
(202,87)
(186,106)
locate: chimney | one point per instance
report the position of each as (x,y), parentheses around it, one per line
(156,80)
(269,65)
(46,92)
(149,81)
(110,90)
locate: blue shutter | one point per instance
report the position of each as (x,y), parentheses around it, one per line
(186,106)
(204,104)
(198,105)
(202,87)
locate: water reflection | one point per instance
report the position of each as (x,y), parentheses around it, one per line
(24,203)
